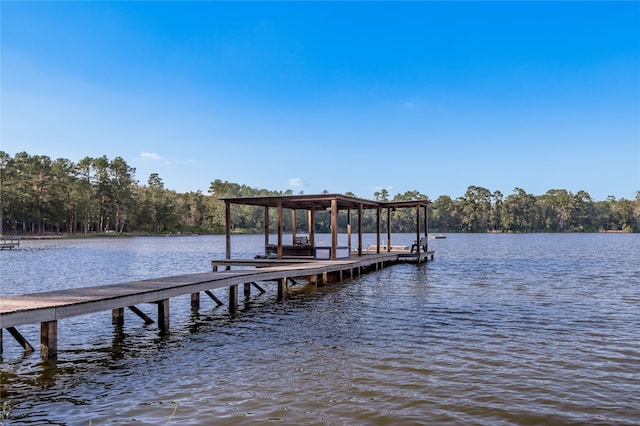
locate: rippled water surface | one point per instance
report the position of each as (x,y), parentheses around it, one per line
(497,330)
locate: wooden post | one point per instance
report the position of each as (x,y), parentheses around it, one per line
(334,227)
(195,301)
(279,229)
(349,229)
(388,229)
(266,228)
(247,290)
(281,284)
(293,226)
(360,229)
(117,316)
(418,230)
(233,298)
(163,315)
(378,229)
(311,217)
(426,225)
(49,339)
(227,219)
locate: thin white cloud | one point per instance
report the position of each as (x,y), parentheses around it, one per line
(296,182)
(150,156)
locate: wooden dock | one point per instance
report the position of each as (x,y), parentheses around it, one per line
(49,307)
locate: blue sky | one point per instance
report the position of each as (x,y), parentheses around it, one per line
(336,96)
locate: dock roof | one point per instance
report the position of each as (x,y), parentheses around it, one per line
(321,202)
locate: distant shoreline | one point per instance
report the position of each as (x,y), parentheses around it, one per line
(129,235)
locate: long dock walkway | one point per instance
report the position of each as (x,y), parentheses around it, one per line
(49,307)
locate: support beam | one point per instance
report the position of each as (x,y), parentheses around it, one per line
(334,227)
(49,339)
(163,315)
(280,252)
(19,338)
(311,217)
(349,229)
(378,230)
(227,221)
(418,231)
(426,225)
(360,229)
(247,290)
(388,229)
(147,320)
(213,297)
(117,316)
(260,289)
(293,226)
(266,229)
(281,287)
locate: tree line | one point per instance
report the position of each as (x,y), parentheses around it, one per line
(98,195)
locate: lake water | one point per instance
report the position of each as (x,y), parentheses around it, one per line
(534,329)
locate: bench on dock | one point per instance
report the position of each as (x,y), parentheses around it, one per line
(424,241)
(302,241)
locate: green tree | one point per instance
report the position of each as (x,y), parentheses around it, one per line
(121,191)
(161,205)
(85,191)
(476,208)
(63,207)
(519,212)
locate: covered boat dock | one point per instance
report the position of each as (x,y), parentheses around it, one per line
(336,204)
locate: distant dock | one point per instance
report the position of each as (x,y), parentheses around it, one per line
(9,243)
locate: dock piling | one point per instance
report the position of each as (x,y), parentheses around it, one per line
(49,339)
(117,316)
(233,298)
(163,315)
(195,301)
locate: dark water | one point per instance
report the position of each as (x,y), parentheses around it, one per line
(498,330)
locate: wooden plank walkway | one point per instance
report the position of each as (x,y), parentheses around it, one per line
(49,307)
